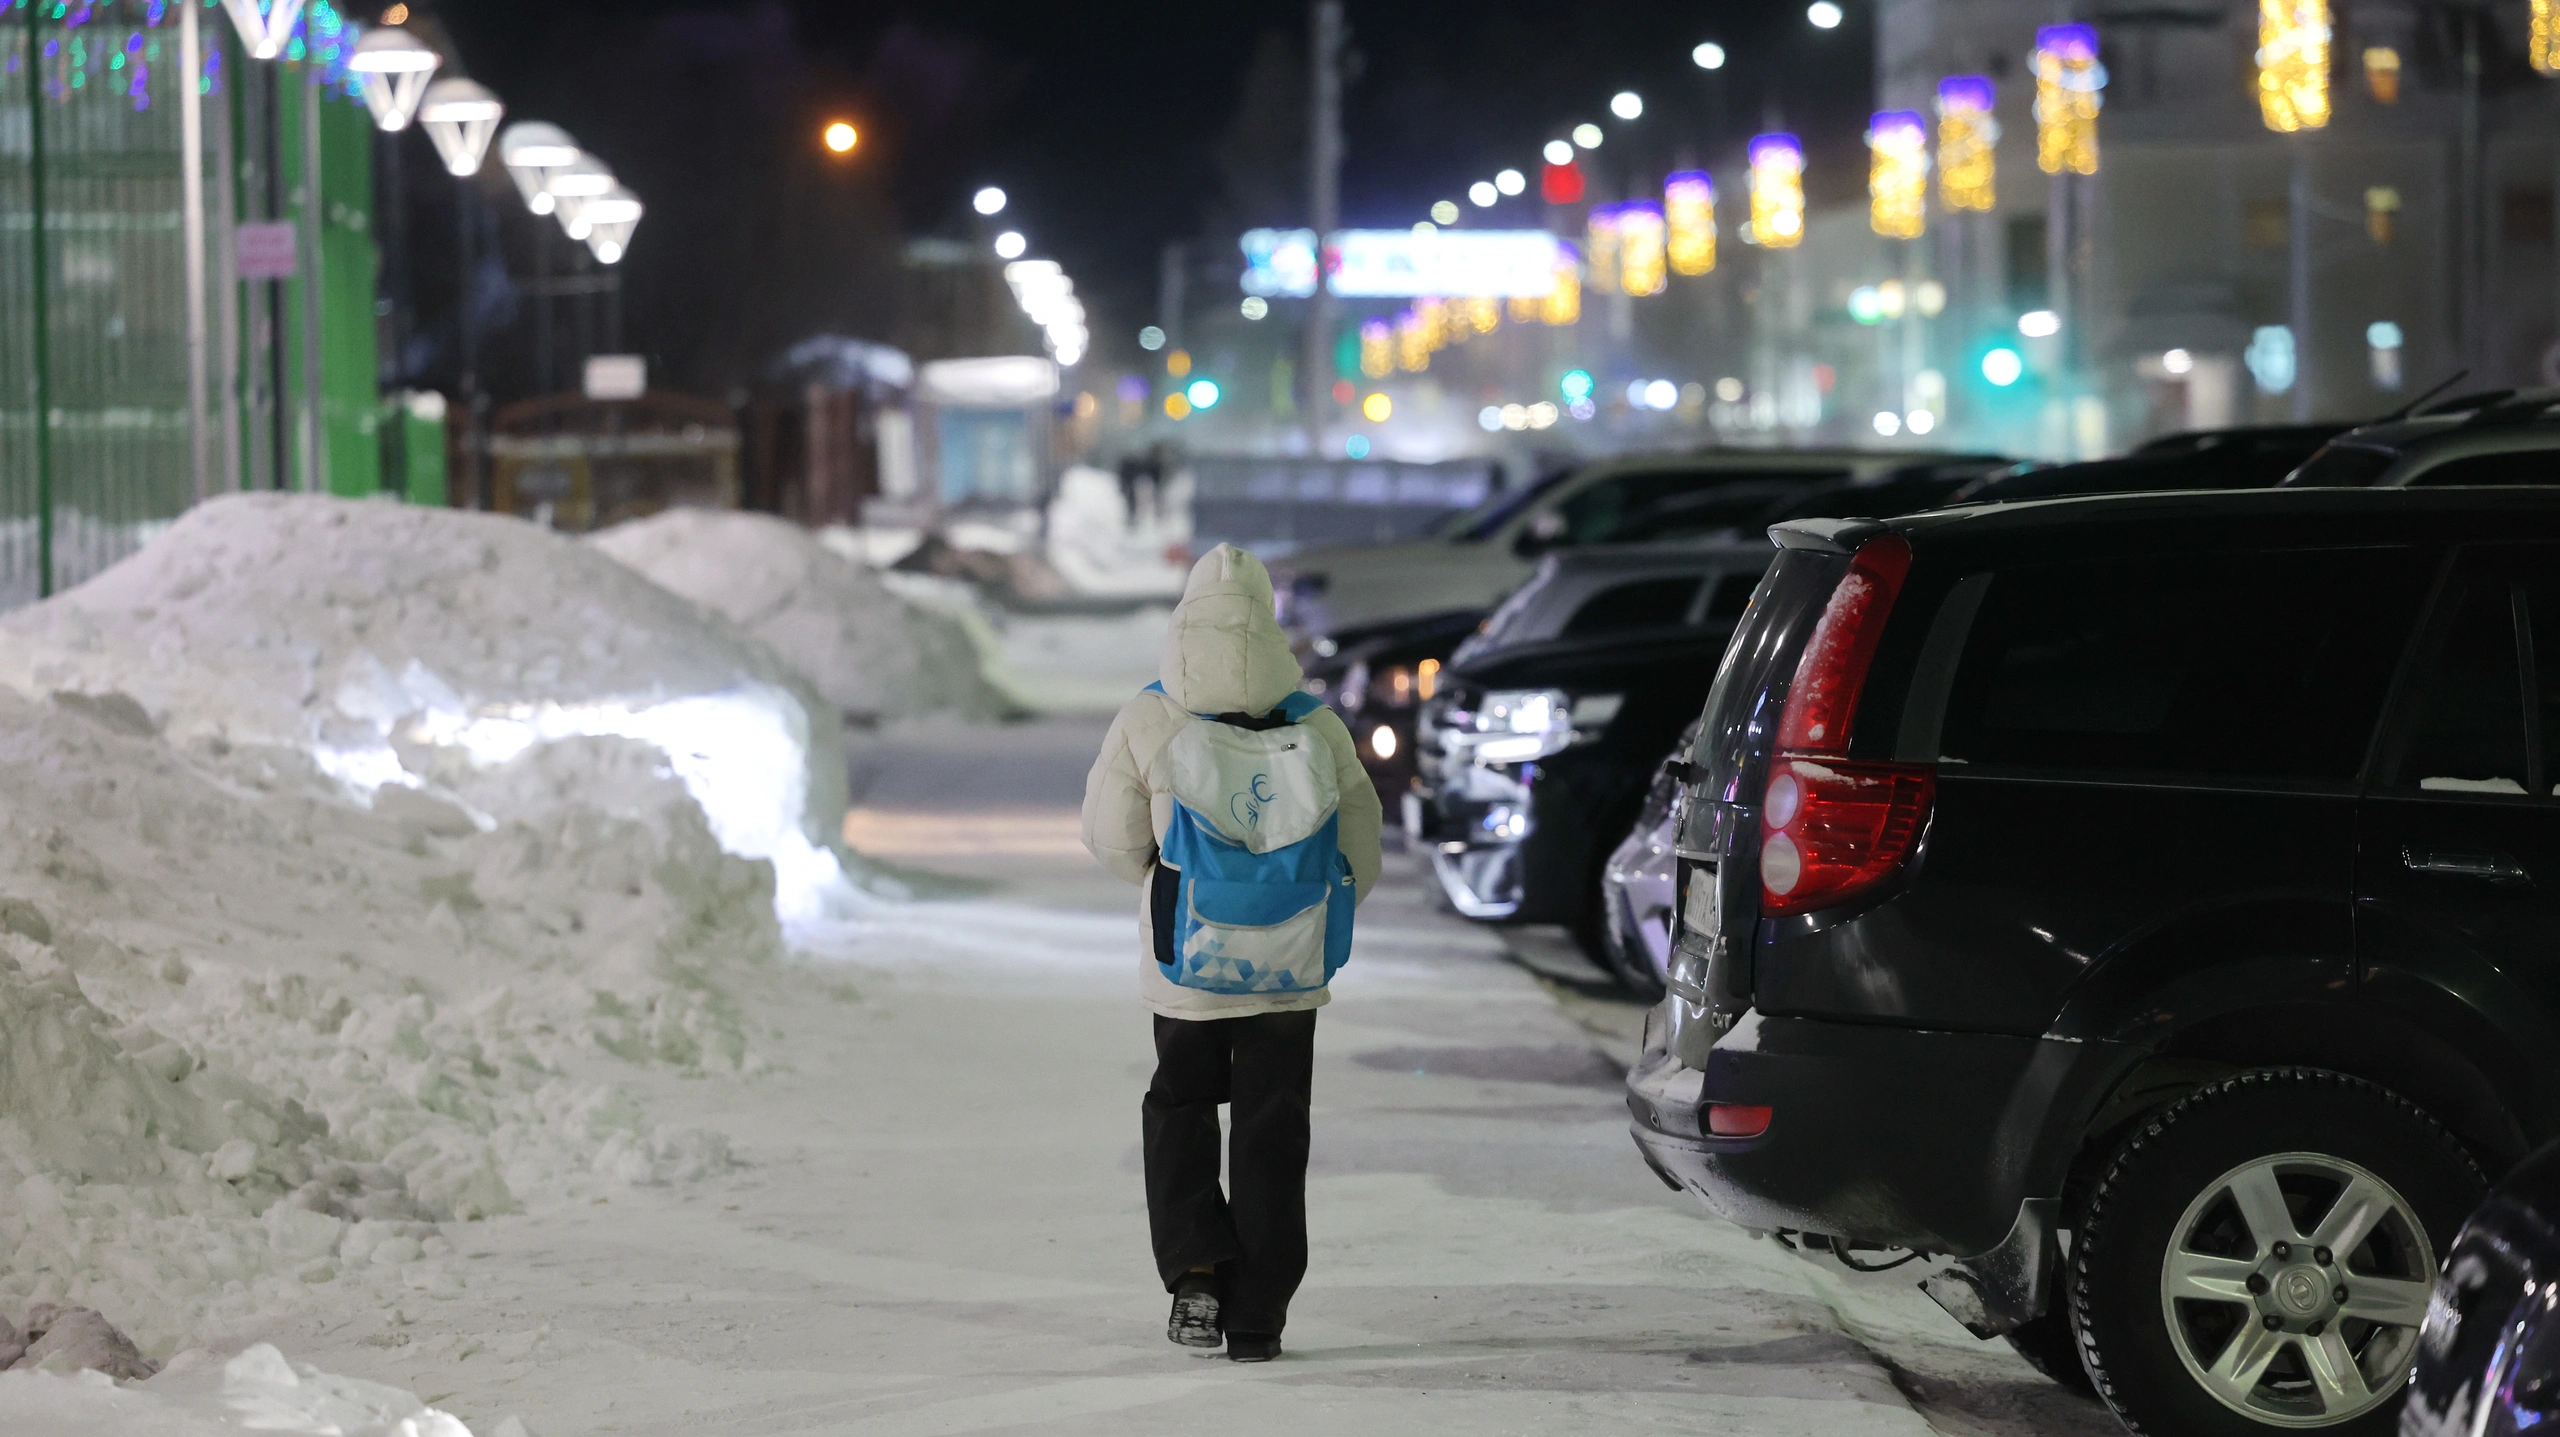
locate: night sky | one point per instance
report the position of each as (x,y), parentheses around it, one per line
(1116,128)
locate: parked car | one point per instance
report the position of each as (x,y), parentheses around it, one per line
(2503,437)
(1384,678)
(1547,725)
(1485,554)
(2489,1353)
(2177,873)
(2257,457)
(1640,883)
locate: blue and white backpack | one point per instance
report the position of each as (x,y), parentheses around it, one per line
(1252,893)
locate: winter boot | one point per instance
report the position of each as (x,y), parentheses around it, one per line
(1252,1346)
(1194,1320)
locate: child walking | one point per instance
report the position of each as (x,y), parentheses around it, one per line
(1239,805)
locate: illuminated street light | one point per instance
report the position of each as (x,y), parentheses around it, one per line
(1587,136)
(1823,14)
(392,67)
(1511,182)
(1446,211)
(531,150)
(2002,367)
(264,33)
(2039,324)
(1559,153)
(1011,244)
(839,137)
(1709,56)
(1626,105)
(462,117)
(609,219)
(571,186)
(988,201)
(1482,194)
(1203,394)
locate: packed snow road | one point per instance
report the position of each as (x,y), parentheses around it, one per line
(937,1225)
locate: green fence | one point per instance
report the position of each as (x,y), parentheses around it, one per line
(93,311)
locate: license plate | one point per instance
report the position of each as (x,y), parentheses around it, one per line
(1698,906)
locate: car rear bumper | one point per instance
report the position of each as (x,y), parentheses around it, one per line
(1896,1137)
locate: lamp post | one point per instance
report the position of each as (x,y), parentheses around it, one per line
(264,29)
(532,151)
(393,67)
(610,220)
(462,117)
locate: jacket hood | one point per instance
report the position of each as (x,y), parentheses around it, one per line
(1226,653)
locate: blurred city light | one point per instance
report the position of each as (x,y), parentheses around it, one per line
(1920,421)
(1864,305)
(1446,211)
(2293,64)
(264,34)
(1377,408)
(1968,143)
(391,66)
(1627,105)
(2068,81)
(2382,63)
(2270,357)
(1587,136)
(988,201)
(1176,407)
(2176,361)
(1729,389)
(1888,423)
(1377,354)
(1048,299)
(1661,394)
(1151,339)
(461,117)
(841,138)
(1561,183)
(1481,194)
(1178,363)
(1640,247)
(1356,447)
(1558,153)
(1930,298)
(1777,190)
(531,150)
(1489,418)
(1689,210)
(1708,56)
(1823,14)
(2039,324)
(1511,182)
(1576,384)
(1255,306)
(2002,366)
(1203,393)
(1011,244)
(1898,174)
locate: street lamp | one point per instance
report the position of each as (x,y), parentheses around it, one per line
(531,150)
(571,186)
(462,117)
(1708,56)
(609,219)
(393,66)
(1626,105)
(1824,15)
(264,33)
(988,201)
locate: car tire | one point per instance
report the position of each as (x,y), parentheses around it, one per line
(2196,1311)
(2050,1348)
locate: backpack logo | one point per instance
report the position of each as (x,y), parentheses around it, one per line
(1246,807)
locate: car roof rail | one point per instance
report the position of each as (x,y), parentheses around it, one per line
(2463,403)
(2523,407)
(1829,536)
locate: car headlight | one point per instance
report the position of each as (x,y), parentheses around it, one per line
(1518,725)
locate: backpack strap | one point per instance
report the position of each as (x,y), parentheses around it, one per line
(1293,709)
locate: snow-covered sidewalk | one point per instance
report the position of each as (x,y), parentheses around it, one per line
(938,1227)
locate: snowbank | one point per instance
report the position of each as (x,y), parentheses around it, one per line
(869,653)
(256,1391)
(409,646)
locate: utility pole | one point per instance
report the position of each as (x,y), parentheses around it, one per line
(2298,297)
(1324,210)
(2468,222)
(191,188)
(40,303)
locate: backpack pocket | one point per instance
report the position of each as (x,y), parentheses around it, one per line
(1255,937)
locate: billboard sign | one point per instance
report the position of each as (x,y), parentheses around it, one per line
(1403,264)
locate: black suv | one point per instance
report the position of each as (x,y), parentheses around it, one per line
(2151,904)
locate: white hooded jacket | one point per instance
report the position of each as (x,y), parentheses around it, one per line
(1225,655)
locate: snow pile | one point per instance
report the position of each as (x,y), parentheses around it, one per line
(1104,550)
(256,1391)
(410,646)
(868,652)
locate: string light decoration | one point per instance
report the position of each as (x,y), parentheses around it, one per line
(1377,348)
(2293,64)
(2542,37)
(1777,190)
(1689,216)
(1968,144)
(1563,304)
(1413,349)
(1524,308)
(2382,68)
(1898,174)
(1483,315)
(2069,86)
(1640,247)
(1601,244)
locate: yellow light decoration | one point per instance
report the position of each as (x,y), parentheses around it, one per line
(1898,175)
(1483,316)
(2069,80)
(1413,350)
(1176,407)
(2293,64)
(1689,213)
(1777,191)
(1563,304)
(1523,308)
(2382,64)
(1602,239)
(2542,37)
(1968,144)
(2381,204)
(1434,314)
(1377,348)
(1640,247)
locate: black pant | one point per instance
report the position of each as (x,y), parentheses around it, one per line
(1263,1066)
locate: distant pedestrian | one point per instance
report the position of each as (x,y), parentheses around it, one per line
(1143,471)
(1239,803)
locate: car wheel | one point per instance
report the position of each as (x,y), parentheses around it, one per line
(2259,1255)
(2049,1348)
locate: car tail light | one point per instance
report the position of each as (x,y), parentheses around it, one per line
(1824,697)
(1830,830)
(1737,1120)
